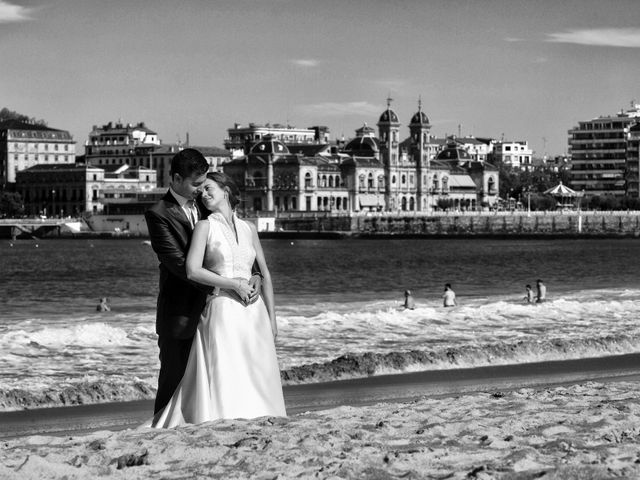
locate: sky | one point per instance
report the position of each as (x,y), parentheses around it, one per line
(509,69)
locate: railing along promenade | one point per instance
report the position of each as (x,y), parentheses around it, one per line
(467,223)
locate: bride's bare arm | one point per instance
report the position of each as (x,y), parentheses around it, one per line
(197,273)
(267,285)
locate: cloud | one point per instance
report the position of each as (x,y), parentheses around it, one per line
(513,39)
(540,60)
(307,63)
(333,109)
(13,13)
(602,37)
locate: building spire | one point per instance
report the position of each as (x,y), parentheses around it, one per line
(419,103)
(389,100)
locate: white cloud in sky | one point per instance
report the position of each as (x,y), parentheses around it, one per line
(306,62)
(513,39)
(603,37)
(13,13)
(330,109)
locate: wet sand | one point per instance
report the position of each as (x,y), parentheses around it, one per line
(570,419)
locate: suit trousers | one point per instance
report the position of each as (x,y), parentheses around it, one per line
(174,355)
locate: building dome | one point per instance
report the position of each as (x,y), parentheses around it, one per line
(362,145)
(270,145)
(388,116)
(452,152)
(420,118)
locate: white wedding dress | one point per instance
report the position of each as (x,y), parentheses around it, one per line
(232,370)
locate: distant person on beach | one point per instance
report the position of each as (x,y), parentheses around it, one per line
(409,303)
(542,291)
(449,296)
(529,298)
(180,301)
(103,306)
(232,370)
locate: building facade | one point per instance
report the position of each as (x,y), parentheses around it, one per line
(23,145)
(138,146)
(515,154)
(370,173)
(240,139)
(76,189)
(598,149)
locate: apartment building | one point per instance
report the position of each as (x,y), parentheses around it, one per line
(23,145)
(599,154)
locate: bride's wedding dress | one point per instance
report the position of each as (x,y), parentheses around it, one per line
(232,370)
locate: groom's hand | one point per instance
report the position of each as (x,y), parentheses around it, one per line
(255,282)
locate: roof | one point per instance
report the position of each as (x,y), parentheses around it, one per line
(269,145)
(45,167)
(309,149)
(211,151)
(419,118)
(561,190)
(19,125)
(453,153)
(388,116)
(363,162)
(461,181)
(362,144)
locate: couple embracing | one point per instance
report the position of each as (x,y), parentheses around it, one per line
(215,321)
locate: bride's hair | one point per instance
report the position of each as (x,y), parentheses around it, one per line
(224,182)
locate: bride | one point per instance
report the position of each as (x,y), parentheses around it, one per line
(232,370)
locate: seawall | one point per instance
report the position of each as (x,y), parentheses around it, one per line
(500,224)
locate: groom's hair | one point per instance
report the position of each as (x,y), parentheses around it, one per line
(225,182)
(187,162)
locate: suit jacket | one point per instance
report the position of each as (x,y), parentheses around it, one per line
(180,301)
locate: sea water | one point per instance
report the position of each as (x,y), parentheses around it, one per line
(338,304)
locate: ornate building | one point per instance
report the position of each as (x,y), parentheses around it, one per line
(371,172)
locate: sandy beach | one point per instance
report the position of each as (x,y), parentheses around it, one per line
(578,420)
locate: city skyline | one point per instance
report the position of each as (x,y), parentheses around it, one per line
(525,70)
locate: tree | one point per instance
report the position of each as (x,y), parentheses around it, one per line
(516,183)
(11,204)
(6,114)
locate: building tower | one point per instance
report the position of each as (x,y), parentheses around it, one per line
(389,133)
(419,128)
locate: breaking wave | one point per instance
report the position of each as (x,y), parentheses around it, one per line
(356,365)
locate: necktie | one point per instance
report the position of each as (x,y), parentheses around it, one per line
(192,213)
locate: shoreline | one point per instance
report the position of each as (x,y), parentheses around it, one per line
(357,392)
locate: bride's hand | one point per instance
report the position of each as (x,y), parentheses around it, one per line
(243,289)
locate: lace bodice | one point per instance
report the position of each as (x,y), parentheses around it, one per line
(226,256)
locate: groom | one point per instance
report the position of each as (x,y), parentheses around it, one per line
(180,301)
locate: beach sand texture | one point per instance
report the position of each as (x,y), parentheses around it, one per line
(583,431)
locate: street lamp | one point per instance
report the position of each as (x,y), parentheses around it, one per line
(53,203)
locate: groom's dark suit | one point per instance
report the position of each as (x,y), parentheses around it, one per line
(180,301)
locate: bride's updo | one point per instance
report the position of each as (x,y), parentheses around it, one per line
(225,183)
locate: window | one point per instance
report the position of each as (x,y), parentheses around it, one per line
(370,180)
(307,182)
